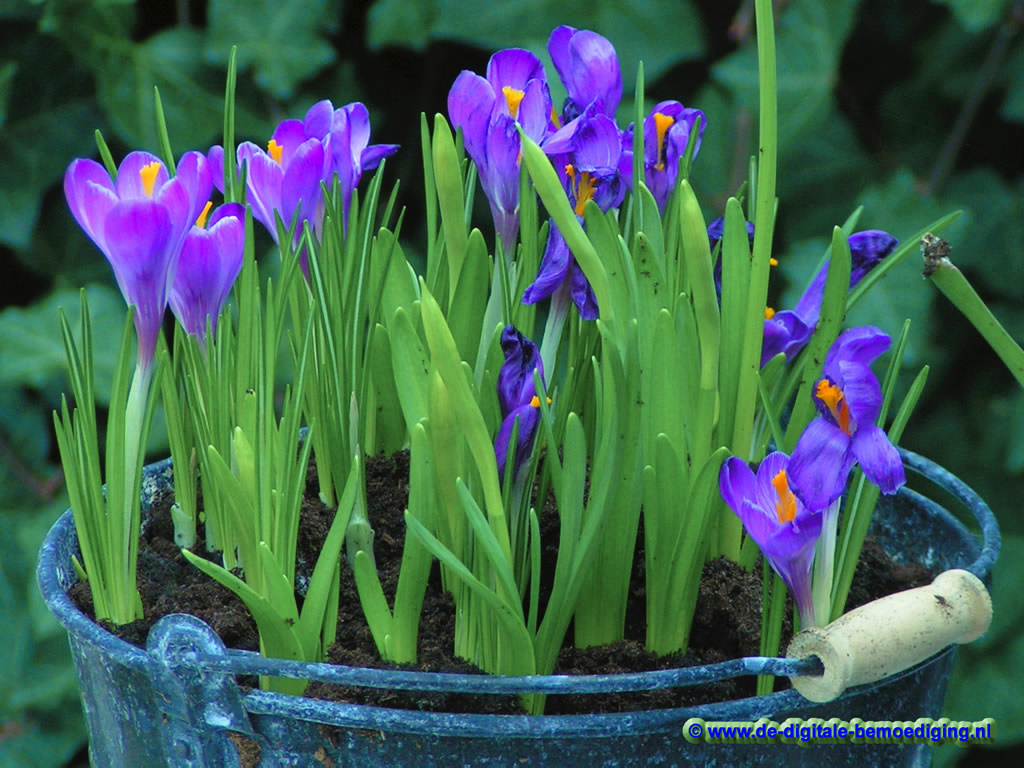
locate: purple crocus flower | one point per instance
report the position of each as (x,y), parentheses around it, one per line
(589,68)
(517,397)
(487,109)
(139,222)
(849,399)
(588,161)
(667,131)
(283,179)
(785,530)
(211,259)
(789,330)
(346,133)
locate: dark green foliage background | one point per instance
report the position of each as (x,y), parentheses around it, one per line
(870,92)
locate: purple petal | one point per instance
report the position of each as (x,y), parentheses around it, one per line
(862,344)
(515,379)
(300,188)
(582,294)
(554,268)
(470,102)
(263,181)
(535,110)
(593,76)
(90,195)
(867,249)
(195,173)
(862,392)
(358,119)
(878,458)
(513,67)
(820,464)
(736,483)
(373,154)
(766,495)
(215,159)
(318,120)
(529,418)
(209,264)
(290,135)
(139,236)
(597,146)
(129,177)
(558,48)
(501,180)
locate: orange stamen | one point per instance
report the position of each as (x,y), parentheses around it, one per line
(512,97)
(275,151)
(585,191)
(535,401)
(832,397)
(769,313)
(785,507)
(661,125)
(201,221)
(148,173)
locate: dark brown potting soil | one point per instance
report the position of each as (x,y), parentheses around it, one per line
(727,622)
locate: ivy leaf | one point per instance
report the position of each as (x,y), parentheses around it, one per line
(33,353)
(38,148)
(897,206)
(26,437)
(809,44)
(192,99)
(283,42)
(660,32)
(991,251)
(975,15)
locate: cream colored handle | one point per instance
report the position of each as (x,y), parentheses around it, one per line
(893,633)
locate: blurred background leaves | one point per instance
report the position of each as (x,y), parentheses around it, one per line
(910,109)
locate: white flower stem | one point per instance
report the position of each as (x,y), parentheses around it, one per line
(824,564)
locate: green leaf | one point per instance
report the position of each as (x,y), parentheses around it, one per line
(25,434)
(33,353)
(283,43)
(996,210)
(1013,106)
(976,15)
(39,147)
(810,40)
(528,23)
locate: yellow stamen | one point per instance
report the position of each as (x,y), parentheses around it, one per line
(201,221)
(832,397)
(773,261)
(769,313)
(535,401)
(275,151)
(148,173)
(512,97)
(554,118)
(785,507)
(661,125)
